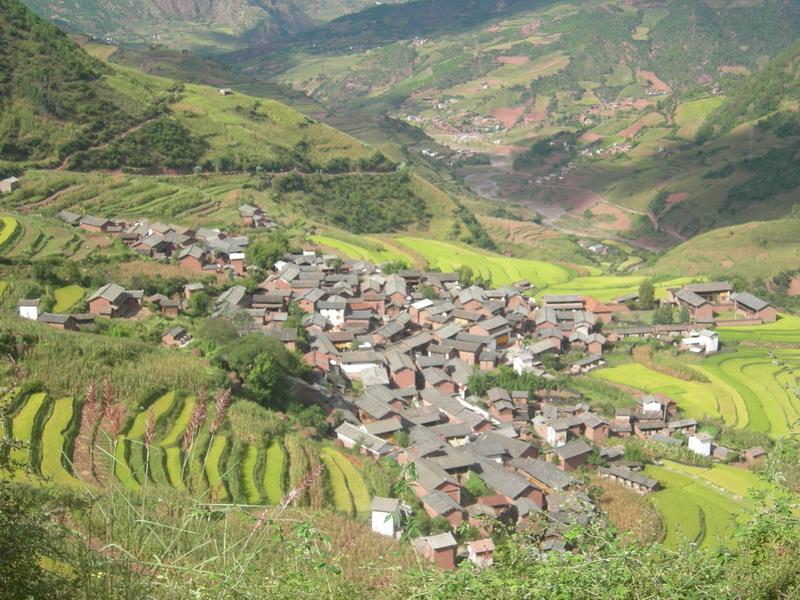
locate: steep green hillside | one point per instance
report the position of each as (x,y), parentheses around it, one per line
(202,24)
(54,98)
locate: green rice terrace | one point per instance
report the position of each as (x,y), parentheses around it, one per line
(701,505)
(67,444)
(753,388)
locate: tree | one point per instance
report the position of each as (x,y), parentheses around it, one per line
(267,251)
(663,315)
(647,294)
(200,303)
(265,382)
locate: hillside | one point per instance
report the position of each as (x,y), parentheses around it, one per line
(628,86)
(199,24)
(54,98)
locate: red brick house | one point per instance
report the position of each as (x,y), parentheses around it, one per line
(439,549)
(573,455)
(753,307)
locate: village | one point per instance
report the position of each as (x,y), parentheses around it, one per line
(398,353)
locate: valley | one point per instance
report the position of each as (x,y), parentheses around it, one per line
(439,298)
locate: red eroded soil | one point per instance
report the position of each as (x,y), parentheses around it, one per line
(590,137)
(794,287)
(631,130)
(655,82)
(535,116)
(512,60)
(621,219)
(508,116)
(677,198)
(530,28)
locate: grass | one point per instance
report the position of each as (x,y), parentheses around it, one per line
(67,297)
(179,426)
(249,475)
(341,494)
(174,460)
(53,442)
(501,270)
(215,480)
(159,408)
(355,483)
(22,425)
(695,399)
(373,251)
(689,116)
(693,506)
(121,468)
(275,472)
(608,287)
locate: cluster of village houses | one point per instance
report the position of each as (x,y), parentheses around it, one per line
(411,340)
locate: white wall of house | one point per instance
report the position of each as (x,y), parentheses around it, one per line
(699,446)
(355,369)
(383,523)
(29,312)
(334,315)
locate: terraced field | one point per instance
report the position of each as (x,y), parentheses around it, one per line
(349,490)
(8,229)
(501,270)
(22,426)
(373,251)
(786,330)
(767,385)
(67,297)
(692,507)
(608,287)
(695,399)
(753,388)
(220,466)
(53,434)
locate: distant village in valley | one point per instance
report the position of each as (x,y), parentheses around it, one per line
(466,387)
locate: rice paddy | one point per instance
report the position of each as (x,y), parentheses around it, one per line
(54,443)
(753,388)
(501,270)
(67,297)
(701,505)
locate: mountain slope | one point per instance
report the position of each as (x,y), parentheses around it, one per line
(207,24)
(53,96)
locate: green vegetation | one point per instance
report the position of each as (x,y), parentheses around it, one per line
(54,443)
(67,297)
(355,484)
(275,472)
(608,287)
(9,229)
(500,270)
(22,425)
(122,470)
(213,464)
(249,476)
(342,499)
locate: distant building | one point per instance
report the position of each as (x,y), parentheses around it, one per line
(701,443)
(384,515)
(28,308)
(8,185)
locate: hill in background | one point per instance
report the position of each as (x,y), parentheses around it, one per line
(198,24)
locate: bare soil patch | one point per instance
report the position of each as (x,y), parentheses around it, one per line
(677,198)
(655,82)
(512,60)
(734,70)
(508,116)
(794,287)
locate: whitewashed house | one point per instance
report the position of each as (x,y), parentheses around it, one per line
(28,309)
(703,341)
(701,443)
(385,512)
(481,552)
